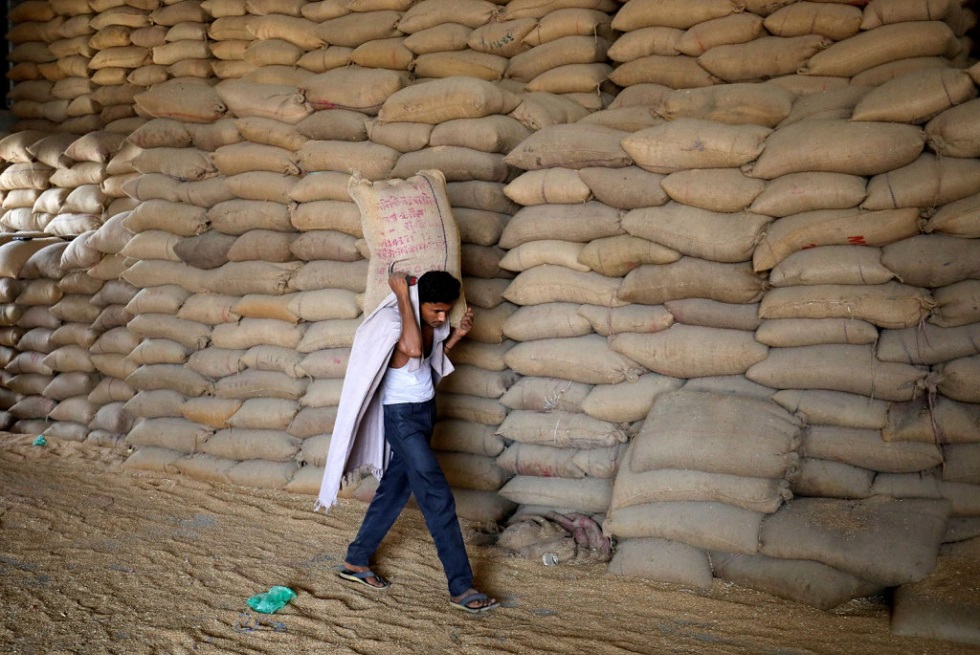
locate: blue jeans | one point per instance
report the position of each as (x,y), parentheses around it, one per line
(414,469)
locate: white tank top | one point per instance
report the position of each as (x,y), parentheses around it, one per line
(400,385)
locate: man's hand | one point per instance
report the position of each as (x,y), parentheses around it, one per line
(457,333)
(398,282)
(465,324)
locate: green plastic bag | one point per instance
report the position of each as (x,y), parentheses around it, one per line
(272,601)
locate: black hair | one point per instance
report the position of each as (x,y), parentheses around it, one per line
(438,286)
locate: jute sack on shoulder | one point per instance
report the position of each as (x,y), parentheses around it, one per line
(408,224)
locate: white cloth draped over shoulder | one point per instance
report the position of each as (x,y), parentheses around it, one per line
(358,441)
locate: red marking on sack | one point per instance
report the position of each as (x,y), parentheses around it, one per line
(857,240)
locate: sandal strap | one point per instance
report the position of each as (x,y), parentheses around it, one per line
(469,598)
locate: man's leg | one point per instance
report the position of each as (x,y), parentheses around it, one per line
(409,432)
(388,502)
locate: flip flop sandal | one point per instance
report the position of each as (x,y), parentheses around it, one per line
(361,577)
(463,603)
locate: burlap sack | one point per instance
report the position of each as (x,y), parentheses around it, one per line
(762,58)
(866,449)
(714,189)
(688,351)
(698,232)
(695,143)
(437,101)
(959,218)
(734,28)
(578,223)
(447,37)
(874,527)
(675,72)
(891,305)
(356,88)
(838,146)
(790,332)
(626,402)
(383,207)
(953,133)
(834,227)
(836,367)
(691,277)
(587,359)
(670,13)
(882,45)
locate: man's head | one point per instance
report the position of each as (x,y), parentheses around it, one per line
(438,292)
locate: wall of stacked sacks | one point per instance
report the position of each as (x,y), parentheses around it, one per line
(723,257)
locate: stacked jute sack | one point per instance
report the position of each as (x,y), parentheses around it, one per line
(73,58)
(284,153)
(61,302)
(716,210)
